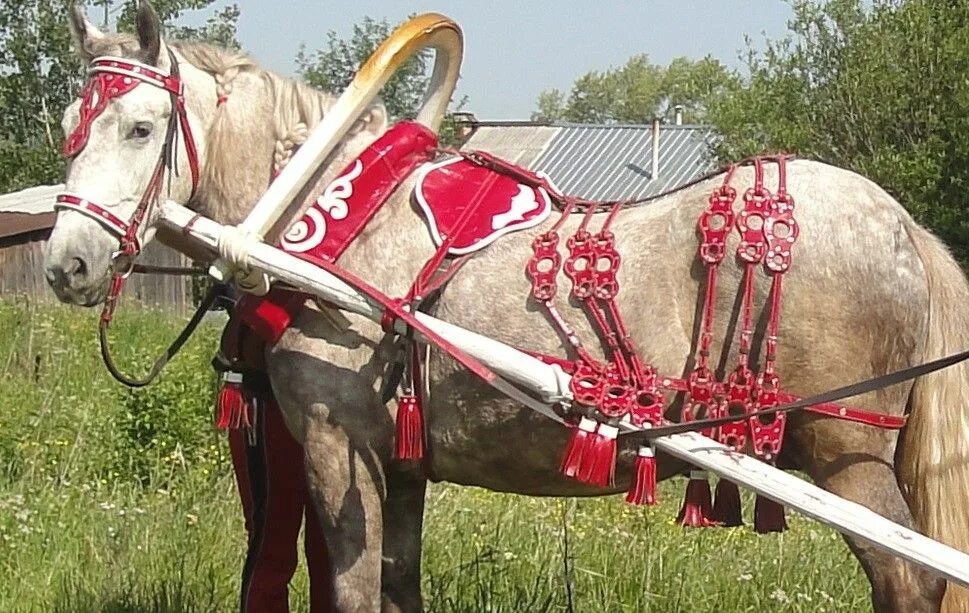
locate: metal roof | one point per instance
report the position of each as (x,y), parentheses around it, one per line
(602,162)
(32,201)
(26,212)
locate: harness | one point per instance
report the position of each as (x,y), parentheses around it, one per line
(747,410)
(110,78)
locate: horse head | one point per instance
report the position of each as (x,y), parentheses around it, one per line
(134,136)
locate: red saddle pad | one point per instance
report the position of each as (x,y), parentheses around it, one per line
(473,206)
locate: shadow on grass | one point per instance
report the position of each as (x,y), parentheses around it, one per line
(161,597)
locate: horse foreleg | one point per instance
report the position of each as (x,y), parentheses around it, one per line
(403,522)
(346,489)
(856,462)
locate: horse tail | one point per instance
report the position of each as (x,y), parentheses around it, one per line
(934,463)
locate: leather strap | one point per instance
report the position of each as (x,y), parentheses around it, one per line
(824,400)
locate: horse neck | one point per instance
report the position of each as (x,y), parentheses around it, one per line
(394,247)
(238,145)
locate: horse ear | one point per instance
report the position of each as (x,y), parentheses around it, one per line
(83,32)
(149,32)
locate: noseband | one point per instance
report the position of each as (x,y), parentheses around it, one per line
(110,78)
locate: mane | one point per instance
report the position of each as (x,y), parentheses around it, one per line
(289,110)
(264,131)
(296,107)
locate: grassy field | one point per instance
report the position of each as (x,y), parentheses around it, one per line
(118,501)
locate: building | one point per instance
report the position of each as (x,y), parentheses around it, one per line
(600,162)
(26,219)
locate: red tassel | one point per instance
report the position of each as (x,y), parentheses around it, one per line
(598,464)
(726,505)
(409,440)
(768,516)
(697,505)
(581,435)
(643,488)
(233,410)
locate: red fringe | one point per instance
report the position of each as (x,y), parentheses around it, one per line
(231,406)
(409,440)
(697,505)
(576,448)
(598,464)
(643,488)
(726,505)
(768,516)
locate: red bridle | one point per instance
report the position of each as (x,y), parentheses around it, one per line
(110,78)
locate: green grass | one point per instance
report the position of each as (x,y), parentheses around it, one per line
(113,500)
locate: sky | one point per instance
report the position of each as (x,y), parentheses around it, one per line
(516,49)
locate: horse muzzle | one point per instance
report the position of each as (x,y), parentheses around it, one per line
(77,278)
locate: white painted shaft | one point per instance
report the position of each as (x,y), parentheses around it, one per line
(522,369)
(551,384)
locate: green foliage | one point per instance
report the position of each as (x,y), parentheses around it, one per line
(219,29)
(638,91)
(167,422)
(40,75)
(50,361)
(879,88)
(82,532)
(333,67)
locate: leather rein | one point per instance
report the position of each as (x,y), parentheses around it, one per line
(112,77)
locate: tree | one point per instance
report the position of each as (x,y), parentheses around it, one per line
(637,92)
(39,76)
(334,66)
(877,87)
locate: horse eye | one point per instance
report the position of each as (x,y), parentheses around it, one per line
(141,130)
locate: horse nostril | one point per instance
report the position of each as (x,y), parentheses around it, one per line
(67,274)
(78,267)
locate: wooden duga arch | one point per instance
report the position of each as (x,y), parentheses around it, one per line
(430,31)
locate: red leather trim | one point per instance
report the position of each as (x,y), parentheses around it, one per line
(846,413)
(94,211)
(269,316)
(137,70)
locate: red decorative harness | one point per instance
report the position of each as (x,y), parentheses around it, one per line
(623,387)
(111,78)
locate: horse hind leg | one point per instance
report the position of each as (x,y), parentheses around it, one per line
(856,462)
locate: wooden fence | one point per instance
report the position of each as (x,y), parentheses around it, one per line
(22,273)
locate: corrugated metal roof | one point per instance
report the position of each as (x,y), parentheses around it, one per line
(520,145)
(32,201)
(603,162)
